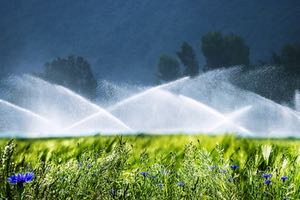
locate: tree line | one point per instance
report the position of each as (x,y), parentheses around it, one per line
(219,51)
(222,51)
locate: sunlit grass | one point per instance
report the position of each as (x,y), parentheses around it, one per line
(152,167)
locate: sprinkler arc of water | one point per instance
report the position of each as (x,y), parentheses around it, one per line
(297,101)
(120,103)
(288,118)
(78,123)
(294,112)
(233,115)
(79,98)
(213,111)
(26,111)
(100,110)
(162,86)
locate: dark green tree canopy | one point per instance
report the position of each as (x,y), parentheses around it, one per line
(224,51)
(188,58)
(168,68)
(290,57)
(73,72)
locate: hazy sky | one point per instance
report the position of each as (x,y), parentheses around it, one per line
(123,39)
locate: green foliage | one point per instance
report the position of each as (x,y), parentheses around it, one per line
(290,57)
(73,72)
(288,75)
(152,167)
(168,68)
(188,59)
(224,51)
(6,169)
(275,60)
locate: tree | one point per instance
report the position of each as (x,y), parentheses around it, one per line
(281,82)
(224,51)
(188,58)
(275,59)
(290,58)
(168,68)
(73,72)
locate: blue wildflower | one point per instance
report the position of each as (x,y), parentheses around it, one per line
(230,179)
(20,179)
(144,173)
(268,182)
(161,185)
(267,176)
(213,167)
(113,192)
(89,166)
(284,178)
(234,167)
(180,184)
(223,171)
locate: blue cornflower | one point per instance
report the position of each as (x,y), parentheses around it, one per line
(234,167)
(223,171)
(180,184)
(268,182)
(113,192)
(144,173)
(89,166)
(284,178)
(267,176)
(230,179)
(20,179)
(213,167)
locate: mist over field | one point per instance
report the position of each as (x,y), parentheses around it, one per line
(77,68)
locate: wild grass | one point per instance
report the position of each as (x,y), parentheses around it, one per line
(151,167)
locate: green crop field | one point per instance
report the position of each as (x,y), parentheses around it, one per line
(150,167)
